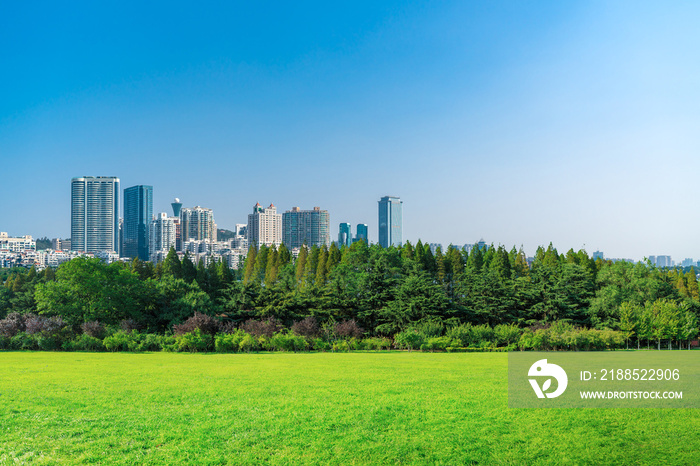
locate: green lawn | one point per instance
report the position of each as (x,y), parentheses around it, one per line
(321,408)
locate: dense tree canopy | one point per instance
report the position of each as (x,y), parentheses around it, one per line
(384,290)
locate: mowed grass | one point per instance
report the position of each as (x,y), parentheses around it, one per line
(320,408)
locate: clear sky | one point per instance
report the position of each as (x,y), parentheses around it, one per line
(517,122)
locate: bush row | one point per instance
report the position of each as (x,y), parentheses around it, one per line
(196,341)
(203,333)
(467,337)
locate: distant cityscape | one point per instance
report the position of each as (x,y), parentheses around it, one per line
(97,230)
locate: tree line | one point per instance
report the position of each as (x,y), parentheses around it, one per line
(391,293)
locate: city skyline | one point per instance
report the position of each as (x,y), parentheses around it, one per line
(573,124)
(208,227)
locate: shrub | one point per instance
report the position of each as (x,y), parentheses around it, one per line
(460,335)
(376,344)
(123,341)
(129,325)
(204,323)
(349,329)
(5,342)
(354,344)
(151,342)
(49,342)
(307,328)
(319,344)
(429,328)
(229,342)
(341,346)
(33,324)
(481,335)
(408,339)
(506,334)
(300,343)
(195,341)
(262,328)
(24,341)
(48,333)
(227,327)
(436,344)
(84,342)
(249,343)
(287,341)
(12,325)
(93,329)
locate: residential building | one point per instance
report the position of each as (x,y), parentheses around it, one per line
(95,214)
(661,261)
(58,244)
(197,223)
(240,240)
(234,258)
(138,215)
(264,226)
(53,258)
(21,244)
(162,235)
(434,247)
(310,227)
(107,256)
(390,221)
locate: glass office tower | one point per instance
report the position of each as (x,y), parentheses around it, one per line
(390,221)
(344,234)
(138,213)
(362,232)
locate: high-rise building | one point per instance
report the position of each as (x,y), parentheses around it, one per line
(95,214)
(687,262)
(310,227)
(661,261)
(598,255)
(138,214)
(197,223)
(344,234)
(390,221)
(177,207)
(162,235)
(434,247)
(361,232)
(240,239)
(264,226)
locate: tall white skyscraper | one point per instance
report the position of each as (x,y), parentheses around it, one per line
(162,235)
(95,214)
(264,226)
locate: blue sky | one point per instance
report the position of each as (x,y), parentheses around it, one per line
(570,122)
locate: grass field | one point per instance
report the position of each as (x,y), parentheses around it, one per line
(319,408)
